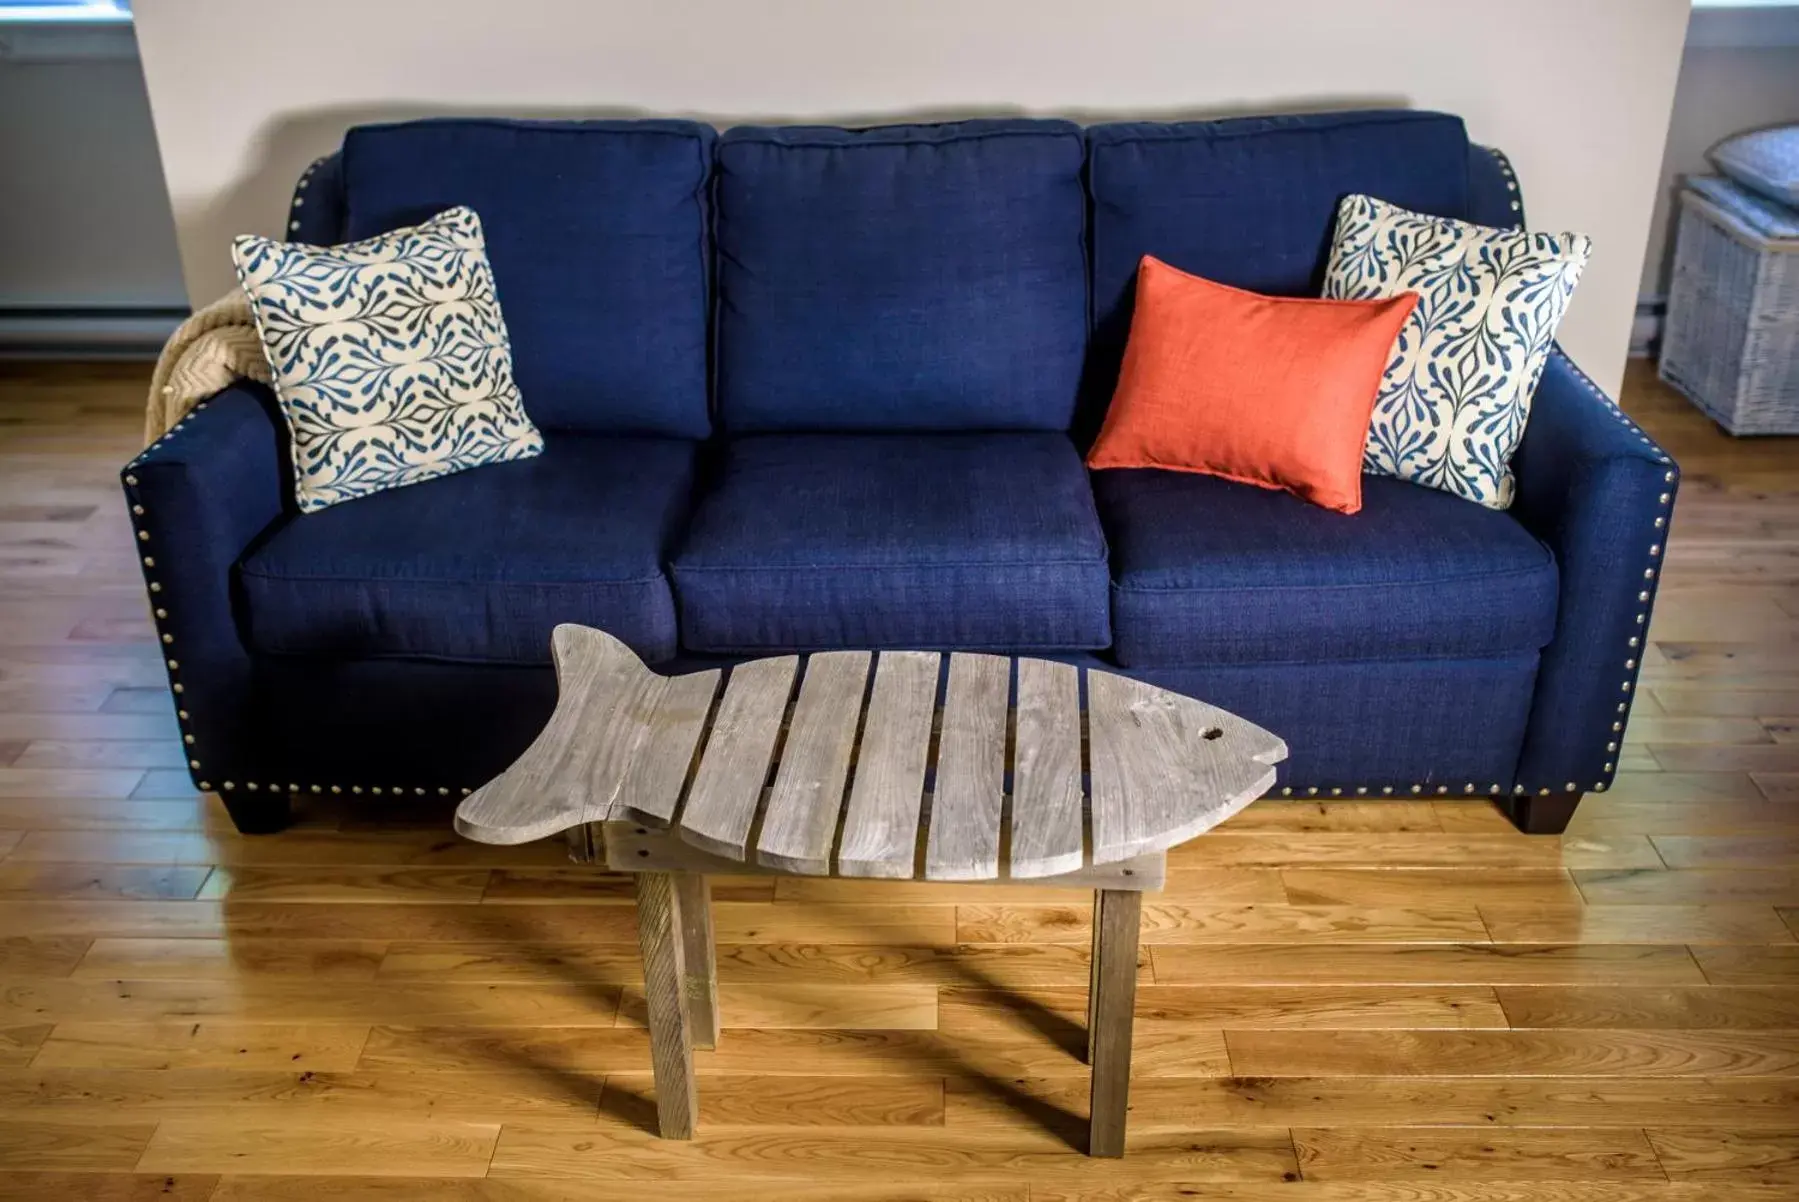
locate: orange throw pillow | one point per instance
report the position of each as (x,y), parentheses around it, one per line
(1265,390)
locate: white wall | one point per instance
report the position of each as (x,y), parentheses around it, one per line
(245,92)
(1723,90)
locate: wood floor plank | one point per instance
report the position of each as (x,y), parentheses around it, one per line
(1713,851)
(1425,887)
(1276,1007)
(184,959)
(1773,965)
(1575,1053)
(1690,886)
(1634,924)
(783,1005)
(207,1044)
(19,1042)
(27,1143)
(529,1150)
(1411,850)
(109,814)
(371,885)
(107,1187)
(1754,816)
(1726,1155)
(276,999)
(1179,1103)
(1415,963)
(1497,1154)
(891,1188)
(788,1101)
(397,1147)
(1207,886)
(1680,1007)
(505,1089)
(299,848)
(76,881)
(41,956)
(1164,923)
(1384,816)
(534,886)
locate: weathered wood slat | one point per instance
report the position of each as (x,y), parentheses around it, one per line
(968,796)
(652,785)
(880,829)
(572,771)
(1166,767)
(1048,830)
(800,823)
(727,789)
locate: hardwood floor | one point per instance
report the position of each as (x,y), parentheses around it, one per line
(1338,1002)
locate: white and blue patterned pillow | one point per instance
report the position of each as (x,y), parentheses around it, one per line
(1456,395)
(390,357)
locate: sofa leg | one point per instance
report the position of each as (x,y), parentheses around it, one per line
(1538,814)
(259,813)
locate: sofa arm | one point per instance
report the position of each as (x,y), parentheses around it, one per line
(1600,493)
(199,496)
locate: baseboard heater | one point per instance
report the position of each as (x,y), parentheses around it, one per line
(86,333)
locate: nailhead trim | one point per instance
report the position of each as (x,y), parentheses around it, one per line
(1644,596)
(1511,180)
(1470,788)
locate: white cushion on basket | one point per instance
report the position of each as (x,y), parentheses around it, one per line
(1455,397)
(390,357)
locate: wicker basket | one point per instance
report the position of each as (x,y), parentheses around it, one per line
(1731,342)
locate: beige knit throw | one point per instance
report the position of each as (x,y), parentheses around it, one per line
(209,350)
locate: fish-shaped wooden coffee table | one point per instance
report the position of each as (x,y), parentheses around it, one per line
(901,765)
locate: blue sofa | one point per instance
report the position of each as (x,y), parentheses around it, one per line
(805,388)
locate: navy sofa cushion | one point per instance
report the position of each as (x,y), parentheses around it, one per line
(1251,201)
(480,566)
(909,277)
(1207,572)
(597,235)
(973,541)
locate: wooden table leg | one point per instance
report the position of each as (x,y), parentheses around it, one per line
(1092,975)
(660,937)
(1111,1005)
(701,963)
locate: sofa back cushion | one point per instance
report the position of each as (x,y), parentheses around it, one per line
(597,232)
(903,278)
(1251,202)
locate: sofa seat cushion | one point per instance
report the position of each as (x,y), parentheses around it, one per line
(480,566)
(1206,571)
(969,541)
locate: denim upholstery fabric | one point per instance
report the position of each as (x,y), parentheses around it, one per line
(1379,723)
(1206,571)
(207,491)
(1492,191)
(1593,488)
(397,724)
(481,565)
(972,541)
(597,231)
(1249,202)
(316,216)
(910,277)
